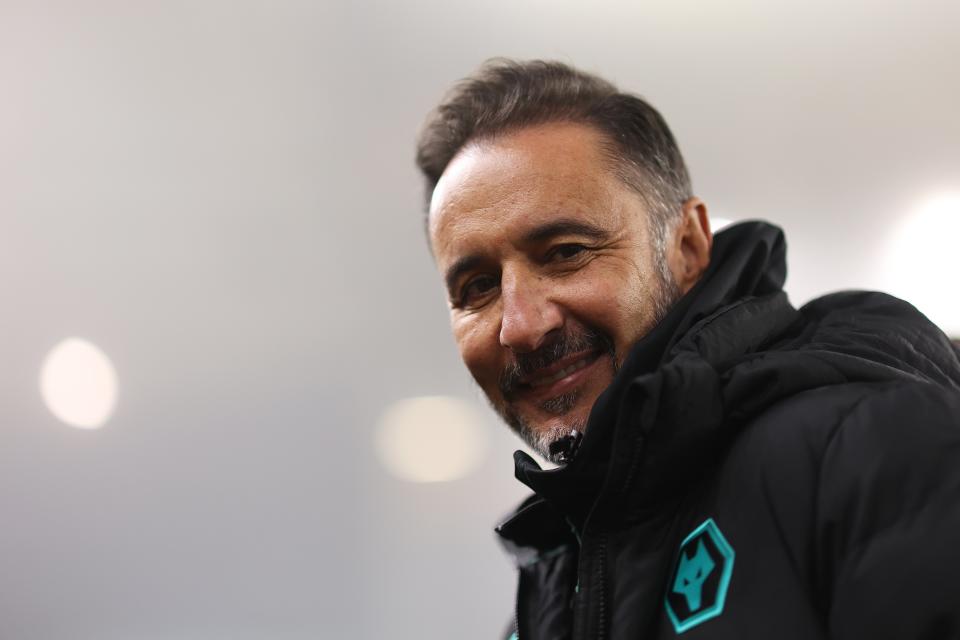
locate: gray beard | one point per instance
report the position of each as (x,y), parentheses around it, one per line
(540,440)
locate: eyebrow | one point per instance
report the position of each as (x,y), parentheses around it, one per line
(562,227)
(536,235)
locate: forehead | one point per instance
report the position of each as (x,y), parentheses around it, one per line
(519,178)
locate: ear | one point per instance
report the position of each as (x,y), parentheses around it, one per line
(689,252)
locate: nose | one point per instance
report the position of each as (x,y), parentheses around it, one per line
(530,316)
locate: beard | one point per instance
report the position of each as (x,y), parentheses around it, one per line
(542,440)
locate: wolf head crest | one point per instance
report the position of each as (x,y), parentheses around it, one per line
(691,575)
(697,588)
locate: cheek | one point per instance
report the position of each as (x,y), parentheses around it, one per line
(478,343)
(613,301)
(636,313)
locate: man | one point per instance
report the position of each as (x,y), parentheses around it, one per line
(730,467)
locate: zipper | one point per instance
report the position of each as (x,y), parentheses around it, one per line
(516,619)
(600,587)
(521,588)
(602,605)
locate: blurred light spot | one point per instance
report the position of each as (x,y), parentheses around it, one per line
(921,264)
(431,439)
(79,384)
(717,223)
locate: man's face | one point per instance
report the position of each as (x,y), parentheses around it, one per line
(550,272)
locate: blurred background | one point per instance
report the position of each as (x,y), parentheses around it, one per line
(230,406)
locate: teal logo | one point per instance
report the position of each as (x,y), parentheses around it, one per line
(691,574)
(697,589)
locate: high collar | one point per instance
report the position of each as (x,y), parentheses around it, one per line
(747,263)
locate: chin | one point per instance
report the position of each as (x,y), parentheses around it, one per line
(541,432)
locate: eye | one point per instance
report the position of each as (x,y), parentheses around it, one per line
(475,290)
(565,251)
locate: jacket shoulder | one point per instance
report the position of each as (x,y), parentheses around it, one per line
(858,438)
(888,515)
(896,452)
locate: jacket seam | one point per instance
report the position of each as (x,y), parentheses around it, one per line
(824,586)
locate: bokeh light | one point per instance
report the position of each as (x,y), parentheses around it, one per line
(431,439)
(920,264)
(79,384)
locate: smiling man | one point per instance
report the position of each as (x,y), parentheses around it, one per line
(552,271)
(729,465)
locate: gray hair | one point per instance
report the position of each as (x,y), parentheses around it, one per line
(506,95)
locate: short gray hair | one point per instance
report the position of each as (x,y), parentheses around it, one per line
(506,95)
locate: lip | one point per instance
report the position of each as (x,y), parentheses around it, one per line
(565,384)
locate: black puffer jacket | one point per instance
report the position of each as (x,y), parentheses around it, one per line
(756,471)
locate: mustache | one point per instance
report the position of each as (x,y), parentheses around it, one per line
(564,345)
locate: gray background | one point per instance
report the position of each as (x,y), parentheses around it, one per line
(221,195)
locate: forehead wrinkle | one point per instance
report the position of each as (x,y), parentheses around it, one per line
(519,214)
(495,182)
